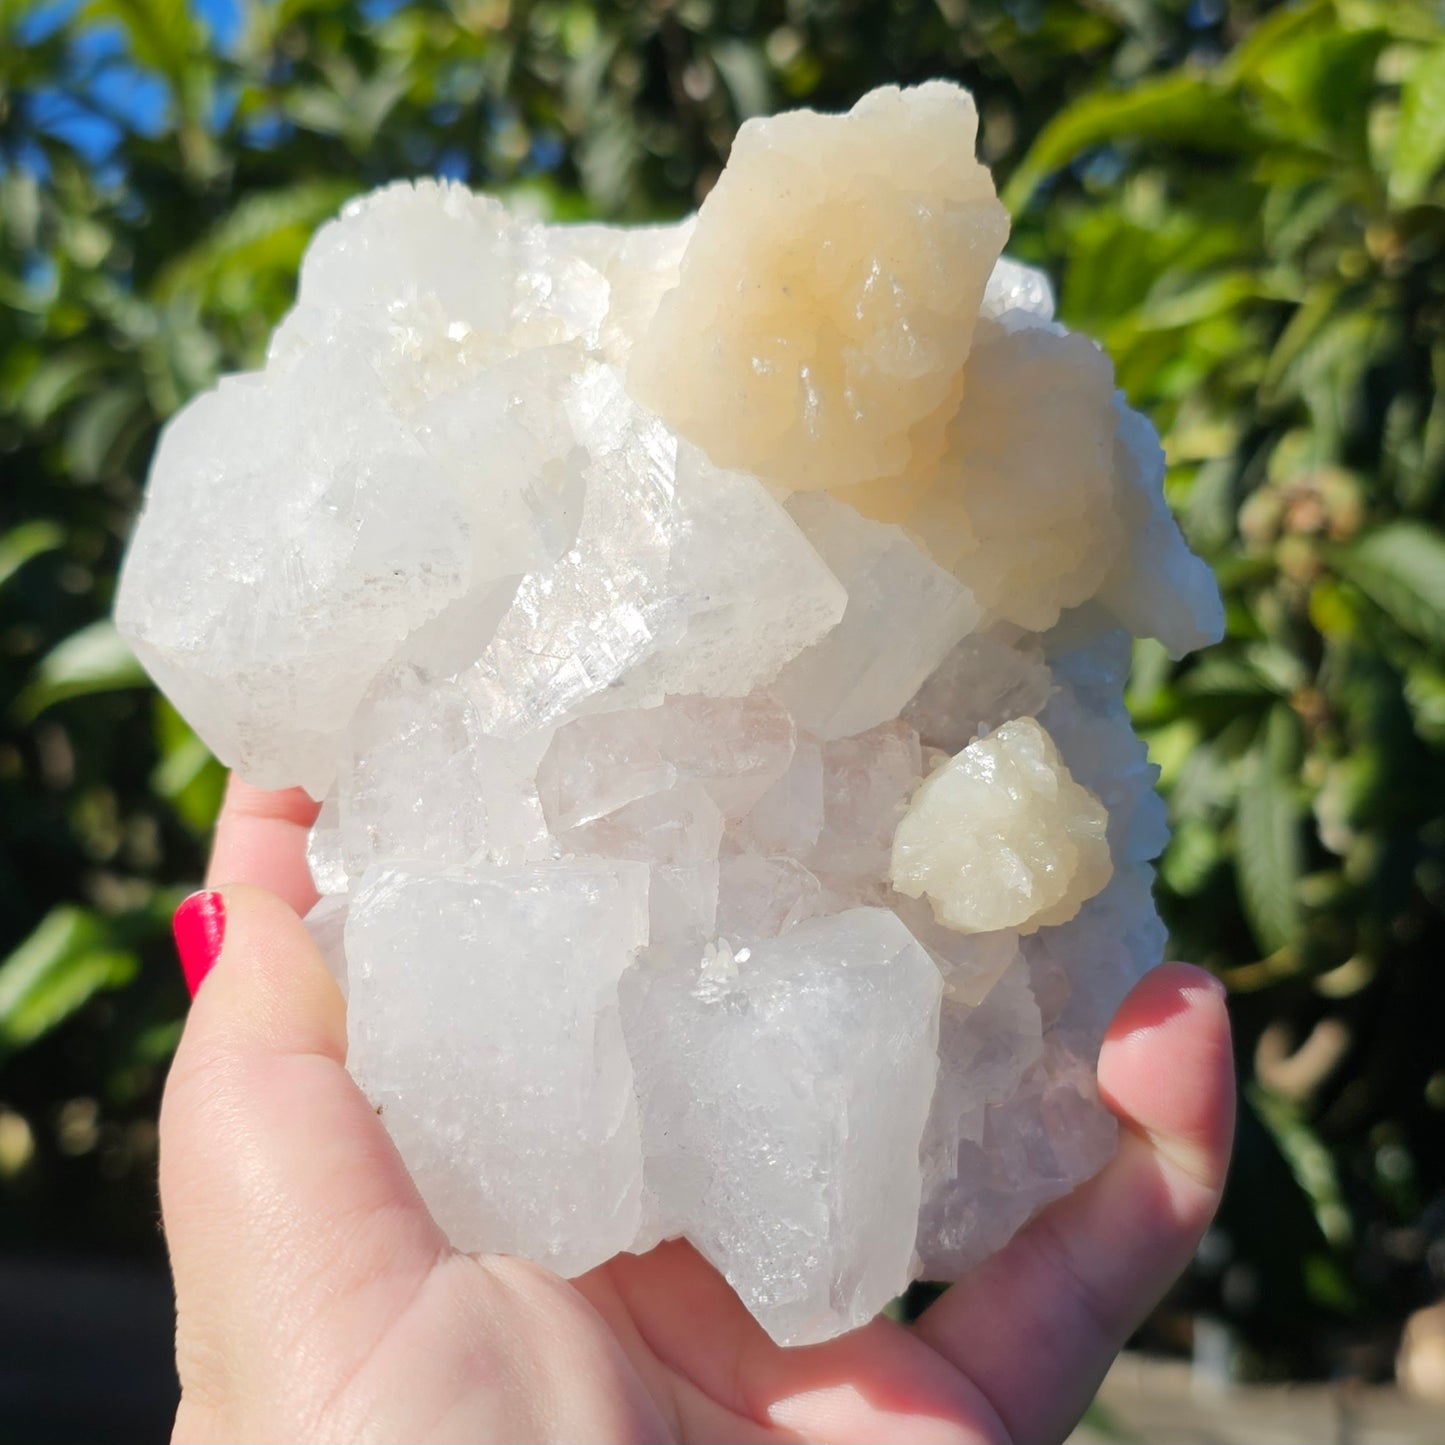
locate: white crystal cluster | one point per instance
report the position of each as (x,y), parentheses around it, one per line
(708,642)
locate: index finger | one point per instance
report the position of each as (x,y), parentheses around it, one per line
(261,840)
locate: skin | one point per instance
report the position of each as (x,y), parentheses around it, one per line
(318,1301)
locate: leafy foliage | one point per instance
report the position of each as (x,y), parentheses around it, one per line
(1245,203)
(1259,244)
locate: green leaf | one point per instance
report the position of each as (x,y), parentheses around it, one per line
(1283,669)
(1268,820)
(1194,852)
(162,35)
(20,207)
(97,426)
(1213,296)
(1401,567)
(1303,327)
(1296,214)
(265,228)
(95,659)
(58,381)
(1275,33)
(1420,136)
(69,958)
(1425,694)
(1184,109)
(29,539)
(1318,87)
(1226,675)
(745,74)
(187,775)
(1309,1160)
(318,108)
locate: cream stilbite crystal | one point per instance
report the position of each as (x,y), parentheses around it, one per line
(1023,509)
(827,298)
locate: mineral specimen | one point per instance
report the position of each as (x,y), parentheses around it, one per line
(708,643)
(1035,845)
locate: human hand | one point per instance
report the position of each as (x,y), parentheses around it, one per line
(318,1301)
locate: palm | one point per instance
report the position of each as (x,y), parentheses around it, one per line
(713,1374)
(399,1336)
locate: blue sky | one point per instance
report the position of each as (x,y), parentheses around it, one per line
(123,95)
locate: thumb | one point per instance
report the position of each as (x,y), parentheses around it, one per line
(285,1205)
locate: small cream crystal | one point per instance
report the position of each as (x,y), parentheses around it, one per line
(1002,836)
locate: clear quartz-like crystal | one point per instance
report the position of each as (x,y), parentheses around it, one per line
(785,1090)
(989,678)
(342,536)
(904,614)
(709,642)
(737,748)
(422,781)
(507,1087)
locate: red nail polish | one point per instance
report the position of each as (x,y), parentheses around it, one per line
(200,929)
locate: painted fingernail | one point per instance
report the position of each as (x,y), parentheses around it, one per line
(200,929)
(1211,981)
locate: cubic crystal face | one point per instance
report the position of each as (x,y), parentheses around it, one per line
(532,1143)
(707,643)
(785,1091)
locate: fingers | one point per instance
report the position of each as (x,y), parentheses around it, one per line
(672,1311)
(261,840)
(283,1198)
(1037,1325)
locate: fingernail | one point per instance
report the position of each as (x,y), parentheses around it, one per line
(1211,981)
(200,929)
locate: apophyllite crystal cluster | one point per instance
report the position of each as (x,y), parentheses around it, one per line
(708,642)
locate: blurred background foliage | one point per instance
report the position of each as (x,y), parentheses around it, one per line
(1244,201)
